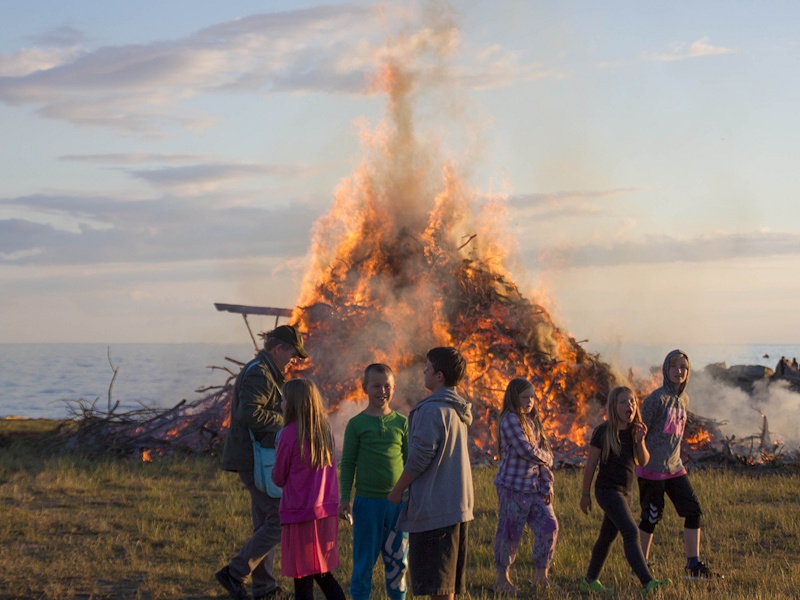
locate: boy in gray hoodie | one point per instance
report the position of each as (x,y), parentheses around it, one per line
(439,480)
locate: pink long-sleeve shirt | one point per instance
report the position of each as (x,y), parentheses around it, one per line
(309,493)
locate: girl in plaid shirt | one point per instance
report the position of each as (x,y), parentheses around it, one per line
(524,485)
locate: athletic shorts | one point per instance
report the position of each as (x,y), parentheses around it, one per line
(680,492)
(437,560)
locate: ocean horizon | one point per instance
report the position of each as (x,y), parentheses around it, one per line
(36,380)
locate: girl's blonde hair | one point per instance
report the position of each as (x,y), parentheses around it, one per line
(511,405)
(304,407)
(610,440)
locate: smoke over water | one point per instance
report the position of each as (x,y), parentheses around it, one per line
(410,258)
(744,413)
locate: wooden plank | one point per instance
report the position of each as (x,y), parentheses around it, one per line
(253,310)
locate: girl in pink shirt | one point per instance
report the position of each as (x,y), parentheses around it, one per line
(305,468)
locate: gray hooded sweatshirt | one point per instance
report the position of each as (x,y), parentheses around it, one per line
(438,456)
(665,412)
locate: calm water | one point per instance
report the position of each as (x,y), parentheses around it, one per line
(36,378)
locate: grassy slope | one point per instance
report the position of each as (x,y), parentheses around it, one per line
(111,528)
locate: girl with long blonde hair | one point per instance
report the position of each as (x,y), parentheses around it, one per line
(616,446)
(305,467)
(524,484)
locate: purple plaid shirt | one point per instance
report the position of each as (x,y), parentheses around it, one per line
(524,467)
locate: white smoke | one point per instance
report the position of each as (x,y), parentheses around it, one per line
(742,412)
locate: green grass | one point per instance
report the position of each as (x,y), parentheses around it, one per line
(72,527)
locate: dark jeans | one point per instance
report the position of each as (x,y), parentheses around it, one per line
(304,587)
(618,518)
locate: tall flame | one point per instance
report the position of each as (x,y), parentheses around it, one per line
(409,258)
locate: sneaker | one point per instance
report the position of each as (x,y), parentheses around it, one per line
(595,587)
(654,585)
(702,573)
(234,586)
(277,594)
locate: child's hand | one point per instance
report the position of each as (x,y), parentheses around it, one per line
(548,498)
(344,509)
(639,431)
(586,504)
(395,496)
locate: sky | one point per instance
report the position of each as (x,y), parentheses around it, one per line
(158,157)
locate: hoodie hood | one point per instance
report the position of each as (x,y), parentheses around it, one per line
(665,371)
(448,395)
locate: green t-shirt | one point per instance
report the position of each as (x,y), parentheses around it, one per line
(375,451)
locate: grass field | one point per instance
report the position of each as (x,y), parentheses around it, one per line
(112,528)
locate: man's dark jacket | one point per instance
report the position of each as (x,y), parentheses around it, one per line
(256,405)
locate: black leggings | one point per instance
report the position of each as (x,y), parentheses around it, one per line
(618,518)
(304,587)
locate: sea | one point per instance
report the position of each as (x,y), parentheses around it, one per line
(42,380)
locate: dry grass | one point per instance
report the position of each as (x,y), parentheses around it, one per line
(111,528)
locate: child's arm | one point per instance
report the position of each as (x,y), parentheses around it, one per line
(641,454)
(519,442)
(588,475)
(405,480)
(347,470)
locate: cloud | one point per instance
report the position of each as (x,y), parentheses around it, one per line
(155,231)
(679,51)
(205,177)
(569,204)
(665,249)
(136,158)
(134,88)
(146,88)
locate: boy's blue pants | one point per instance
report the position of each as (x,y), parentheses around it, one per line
(374,522)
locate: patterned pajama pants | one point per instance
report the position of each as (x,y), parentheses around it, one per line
(517,509)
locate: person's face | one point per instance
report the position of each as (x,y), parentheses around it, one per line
(284,356)
(527,399)
(625,408)
(678,370)
(283,405)
(379,388)
(431,377)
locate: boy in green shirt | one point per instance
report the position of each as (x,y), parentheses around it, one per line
(375,450)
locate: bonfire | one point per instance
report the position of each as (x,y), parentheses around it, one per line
(410,257)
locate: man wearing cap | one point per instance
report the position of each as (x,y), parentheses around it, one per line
(256,407)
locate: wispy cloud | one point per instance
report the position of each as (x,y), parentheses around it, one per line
(155,230)
(570,204)
(146,88)
(665,249)
(205,177)
(134,88)
(678,51)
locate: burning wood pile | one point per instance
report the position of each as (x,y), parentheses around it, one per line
(410,258)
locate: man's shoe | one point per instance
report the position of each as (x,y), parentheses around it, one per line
(234,586)
(595,587)
(654,585)
(702,573)
(277,594)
